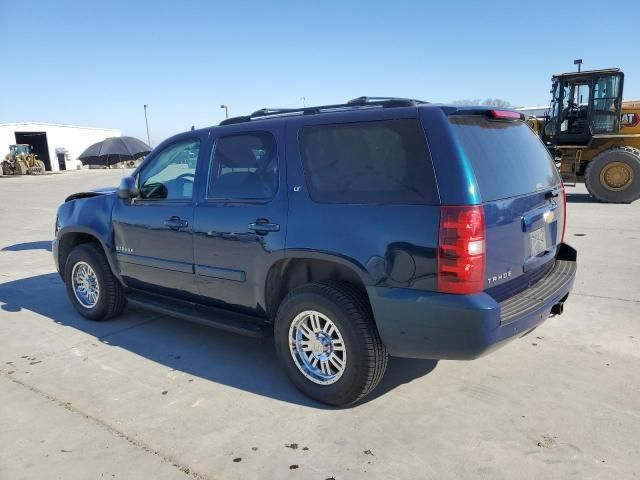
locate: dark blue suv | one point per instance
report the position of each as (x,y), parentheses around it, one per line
(350,232)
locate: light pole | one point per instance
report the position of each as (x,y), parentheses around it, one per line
(146,121)
(304,102)
(226,110)
(578,61)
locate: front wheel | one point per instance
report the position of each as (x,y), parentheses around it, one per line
(91,286)
(328,343)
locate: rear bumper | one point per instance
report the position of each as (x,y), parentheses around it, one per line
(419,324)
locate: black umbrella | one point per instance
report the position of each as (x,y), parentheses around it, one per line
(113,150)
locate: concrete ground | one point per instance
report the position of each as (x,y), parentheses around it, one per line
(148,396)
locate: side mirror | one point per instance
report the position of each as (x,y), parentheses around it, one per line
(128,188)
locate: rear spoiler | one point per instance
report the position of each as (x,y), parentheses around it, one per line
(498,114)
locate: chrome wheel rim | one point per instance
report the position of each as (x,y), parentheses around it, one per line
(84,282)
(317,347)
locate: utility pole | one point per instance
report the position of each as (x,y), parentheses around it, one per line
(226,110)
(146,121)
(578,61)
(304,102)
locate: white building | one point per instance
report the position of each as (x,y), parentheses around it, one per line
(537,112)
(58,146)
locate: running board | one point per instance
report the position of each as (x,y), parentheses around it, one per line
(215,317)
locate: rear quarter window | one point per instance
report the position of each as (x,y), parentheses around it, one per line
(377,162)
(508,159)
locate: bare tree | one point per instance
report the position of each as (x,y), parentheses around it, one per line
(468,101)
(497,102)
(489,102)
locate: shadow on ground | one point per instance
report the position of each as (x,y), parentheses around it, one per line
(580,198)
(18,247)
(245,363)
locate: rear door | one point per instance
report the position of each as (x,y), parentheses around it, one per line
(241,217)
(522,195)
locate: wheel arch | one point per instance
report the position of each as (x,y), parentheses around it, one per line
(71,237)
(300,267)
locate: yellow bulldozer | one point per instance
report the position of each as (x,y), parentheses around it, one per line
(593,134)
(22,161)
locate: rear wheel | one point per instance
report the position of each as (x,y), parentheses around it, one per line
(91,286)
(614,175)
(328,343)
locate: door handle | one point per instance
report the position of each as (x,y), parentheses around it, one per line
(176,223)
(262,225)
(549,195)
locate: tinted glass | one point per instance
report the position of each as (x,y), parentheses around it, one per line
(508,159)
(171,173)
(244,167)
(368,162)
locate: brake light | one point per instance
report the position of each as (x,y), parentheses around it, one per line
(505,115)
(564,211)
(461,249)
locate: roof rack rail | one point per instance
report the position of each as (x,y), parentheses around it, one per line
(360,102)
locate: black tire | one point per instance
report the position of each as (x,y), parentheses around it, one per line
(111,299)
(349,310)
(21,169)
(627,155)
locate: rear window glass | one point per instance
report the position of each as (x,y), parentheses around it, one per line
(508,159)
(368,162)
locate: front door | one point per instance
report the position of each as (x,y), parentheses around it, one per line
(154,232)
(240,220)
(574,112)
(607,103)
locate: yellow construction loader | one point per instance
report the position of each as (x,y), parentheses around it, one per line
(593,134)
(22,161)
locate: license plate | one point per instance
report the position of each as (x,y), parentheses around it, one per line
(538,240)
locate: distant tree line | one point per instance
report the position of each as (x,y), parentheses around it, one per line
(489,102)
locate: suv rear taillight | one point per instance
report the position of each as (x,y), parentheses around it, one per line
(461,249)
(505,115)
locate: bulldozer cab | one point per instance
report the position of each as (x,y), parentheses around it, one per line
(21,149)
(583,104)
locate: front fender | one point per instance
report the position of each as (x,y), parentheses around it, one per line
(86,216)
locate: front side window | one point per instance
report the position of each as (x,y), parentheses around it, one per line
(373,162)
(244,167)
(171,174)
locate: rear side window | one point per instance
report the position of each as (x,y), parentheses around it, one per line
(244,167)
(368,162)
(508,159)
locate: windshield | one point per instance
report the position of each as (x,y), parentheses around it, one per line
(21,149)
(508,159)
